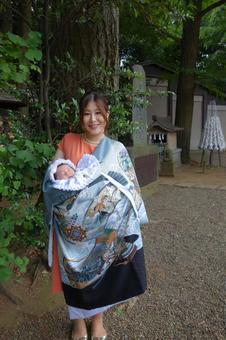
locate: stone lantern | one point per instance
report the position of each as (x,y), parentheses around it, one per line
(164,134)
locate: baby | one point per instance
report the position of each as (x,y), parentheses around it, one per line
(64,171)
(66,176)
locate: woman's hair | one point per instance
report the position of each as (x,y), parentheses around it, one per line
(101,102)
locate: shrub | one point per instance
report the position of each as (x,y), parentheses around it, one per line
(22,167)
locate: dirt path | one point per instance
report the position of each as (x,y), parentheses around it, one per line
(185,257)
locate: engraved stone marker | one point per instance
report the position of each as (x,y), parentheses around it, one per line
(139,113)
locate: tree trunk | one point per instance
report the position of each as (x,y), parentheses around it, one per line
(186,81)
(41,99)
(6,19)
(24,8)
(22,27)
(95,38)
(46,70)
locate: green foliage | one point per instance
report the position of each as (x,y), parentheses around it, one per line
(60,70)
(66,114)
(151,30)
(23,160)
(21,167)
(9,262)
(122,102)
(21,222)
(212,57)
(18,57)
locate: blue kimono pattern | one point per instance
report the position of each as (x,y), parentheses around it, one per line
(98,226)
(95,232)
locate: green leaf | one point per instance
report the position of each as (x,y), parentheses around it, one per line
(45,149)
(18,261)
(3,261)
(16,184)
(4,191)
(33,54)
(34,39)
(21,263)
(16,39)
(24,68)
(5,274)
(5,68)
(13,51)
(36,68)
(12,148)
(24,155)
(19,77)
(4,243)
(29,144)
(14,161)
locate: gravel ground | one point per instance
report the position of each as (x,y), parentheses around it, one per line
(185,258)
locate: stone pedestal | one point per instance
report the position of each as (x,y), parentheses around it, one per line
(176,155)
(167,169)
(146,163)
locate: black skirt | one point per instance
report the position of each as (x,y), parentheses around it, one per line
(119,283)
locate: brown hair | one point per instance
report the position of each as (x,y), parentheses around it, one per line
(101,101)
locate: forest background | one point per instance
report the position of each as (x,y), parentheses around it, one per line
(51,52)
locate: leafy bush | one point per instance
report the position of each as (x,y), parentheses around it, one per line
(18,57)
(21,221)
(23,162)
(8,260)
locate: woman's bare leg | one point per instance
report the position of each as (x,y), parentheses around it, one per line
(98,329)
(79,328)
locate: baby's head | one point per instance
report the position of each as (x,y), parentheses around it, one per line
(64,172)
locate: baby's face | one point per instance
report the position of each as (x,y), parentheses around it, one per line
(64,171)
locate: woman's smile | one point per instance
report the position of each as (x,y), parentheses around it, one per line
(94,122)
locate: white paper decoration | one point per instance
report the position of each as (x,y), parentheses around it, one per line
(213,138)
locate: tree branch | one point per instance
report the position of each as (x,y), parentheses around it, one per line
(16,12)
(164,32)
(211,7)
(146,14)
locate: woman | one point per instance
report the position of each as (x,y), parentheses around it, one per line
(98,256)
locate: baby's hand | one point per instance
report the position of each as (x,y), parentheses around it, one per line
(64,172)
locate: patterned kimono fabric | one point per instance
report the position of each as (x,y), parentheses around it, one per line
(98,235)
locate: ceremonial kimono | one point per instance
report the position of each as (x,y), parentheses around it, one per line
(96,218)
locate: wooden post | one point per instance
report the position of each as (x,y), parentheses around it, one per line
(202,157)
(219,157)
(210,158)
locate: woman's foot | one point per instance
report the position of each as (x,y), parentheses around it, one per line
(79,331)
(98,331)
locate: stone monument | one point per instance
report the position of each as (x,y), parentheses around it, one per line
(139,112)
(144,156)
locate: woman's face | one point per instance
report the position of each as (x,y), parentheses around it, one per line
(93,122)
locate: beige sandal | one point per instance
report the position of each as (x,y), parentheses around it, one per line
(74,337)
